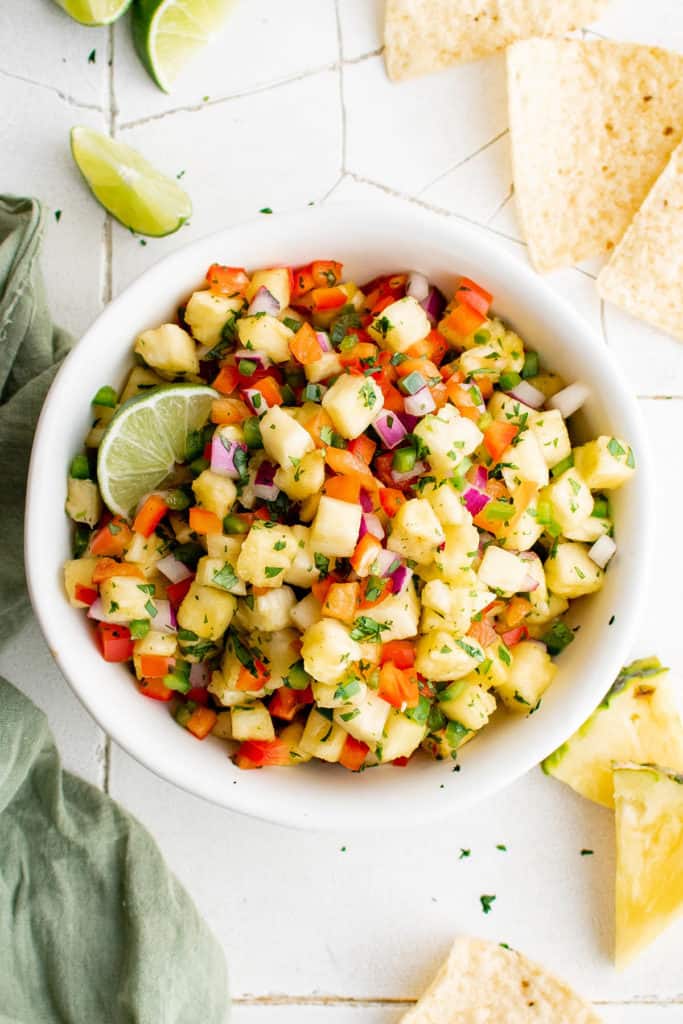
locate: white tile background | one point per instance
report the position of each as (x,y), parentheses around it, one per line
(291,105)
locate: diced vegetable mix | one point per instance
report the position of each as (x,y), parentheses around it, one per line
(371,544)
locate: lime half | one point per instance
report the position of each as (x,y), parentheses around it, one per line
(94,12)
(145,439)
(128,186)
(169,33)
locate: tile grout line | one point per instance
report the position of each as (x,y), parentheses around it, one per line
(65,97)
(342,99)
(463,161)
(370,1002)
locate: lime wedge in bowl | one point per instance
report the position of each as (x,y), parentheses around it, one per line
(128,186)
(145,439)
(94,12)
(169,33)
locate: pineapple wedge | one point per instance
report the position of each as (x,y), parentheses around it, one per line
(639,720)
(649,825)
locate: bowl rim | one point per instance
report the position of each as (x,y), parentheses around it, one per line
(536,292)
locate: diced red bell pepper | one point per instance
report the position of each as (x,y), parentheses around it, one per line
(391,499)
(398,686)
(203,521)
(473,295)
(248,681)
(400,762)
(270,389)
(434,347)
(115,642)
(305,346)
(227,280)
(285,702)
(198,694)
(201,722)
(88,595)
(515,636)
(401,652)
(112,539)
(156,665)
(227,411)
(343,488)
(341,601)
(260,753)
(464,320)
(302,281)
(227,380)
(365,602)
(367,550)
(483,632)
(155,689)
(326,273)
(328,298)
(498,437)
(176,592)
(150,515)
(353,754)
(363,448)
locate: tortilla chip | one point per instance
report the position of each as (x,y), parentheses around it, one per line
(483,983)
(592,127)
(427,35)
(645,274)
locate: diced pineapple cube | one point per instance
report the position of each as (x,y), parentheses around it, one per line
(223,684)
(416,532)
(214,492)
(502,570)
(283,438)
(219,573)
(302,477)
(291,735)
(329,365)
(322,738)
(309,507)
(457,605)
(548,383)
(523,534)
(225,546)
(270,611)
(125,598)
(524,461)
(334,531)
(447,503)
(591,529)
(308,611)
(206,315)
(162,644)
(266,554)
(252,722)
(502,349)
(503,407)
(400,613)
(571,501)
(169,349)
(352,403)
(303,570)
(529,676)
(205,611)
(441,655)
(400,325)
(277,282)
(541,615)
(280,651)
(265,334)
(538,597)
(140,379)
(83,502)
(569,571)
(146,551)
(328,650)
(366,721)
(448,437)
(552,435)
(78,572)
(348,693)
(222,728)
(605,464)
(402,736)
(468,703)
(453,563)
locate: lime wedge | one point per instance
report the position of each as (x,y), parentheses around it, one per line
(127,185)
(169,33)
(145,439)
(94,12)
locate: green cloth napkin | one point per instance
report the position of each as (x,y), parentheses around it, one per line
(93,926)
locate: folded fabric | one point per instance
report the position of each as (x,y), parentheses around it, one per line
(93,927)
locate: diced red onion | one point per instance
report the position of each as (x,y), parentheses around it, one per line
(434,305)
(366,502)
(387,562)
(408,421)
(601,552)
(570,399)
(260,358)
(529,583)
(223,451)
(369,523)
(418,286)
(401,578)
(475,500)
(258,405)
(527,394)
(401,478)
(96,611)
(173,569)
(484,540)
(264,485)
(164,621)
(324,341)
(200,674)
(389,428)
(420,403)
(481,477)
(264,302)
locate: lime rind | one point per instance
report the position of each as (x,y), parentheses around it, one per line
(94,12)
(145,439)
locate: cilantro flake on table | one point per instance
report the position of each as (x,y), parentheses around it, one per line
(502,847)
(587,853)
(464,852)
(487,903)
(58,215)
(264,209)
(92,57)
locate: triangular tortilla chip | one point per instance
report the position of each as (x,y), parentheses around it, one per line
(484,983)
(592,127)
(645,274)
(427,35)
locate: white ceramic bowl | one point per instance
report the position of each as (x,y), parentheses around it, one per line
(370,240)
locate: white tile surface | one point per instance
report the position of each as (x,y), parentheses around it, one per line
(300,918)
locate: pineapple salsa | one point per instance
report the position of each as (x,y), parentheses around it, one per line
(338,522)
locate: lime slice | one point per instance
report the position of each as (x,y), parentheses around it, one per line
(169,33)
(127,185)
(94,12)
(145,439)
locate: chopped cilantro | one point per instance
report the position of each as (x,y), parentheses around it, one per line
(614,448)
(487,903)
(271,571)
(365,628)
(464,853)
(225,577)
(321,563)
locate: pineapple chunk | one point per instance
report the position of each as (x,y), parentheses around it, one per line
(334,531)
(367,720)
(529,676)
(206,315)
(504,407)
(309,507)
(455,604)
(78,572)
(328,650)
(146,551)
(181,528)
(502,350)
(524,461)
(352,403)
(447,503)
(219,573)
(277,282)
(605,464)
(222,729)
(303,570)
(571,502)
(162,644)
(307,612)
(552,435)
(548,383)
(265,334)
(400,325)
(140,379)
(266,554)
(169,349)
(252,722)
(649,824)
(402,736)
(400,613)
(322,738)
(215,492)
(227,547)
(538,597)
(468,703)
(348,693)
(302,478)
(523,534)
(291,735)
(569,572)
(83,502)
(415,531)
(441,656)
(591,529)
(205,611)
(329,365)
(448,437)
(541,614)
(223,684)
(125,598)
(271,611)
(454,562)
(283,438)
(503,571)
